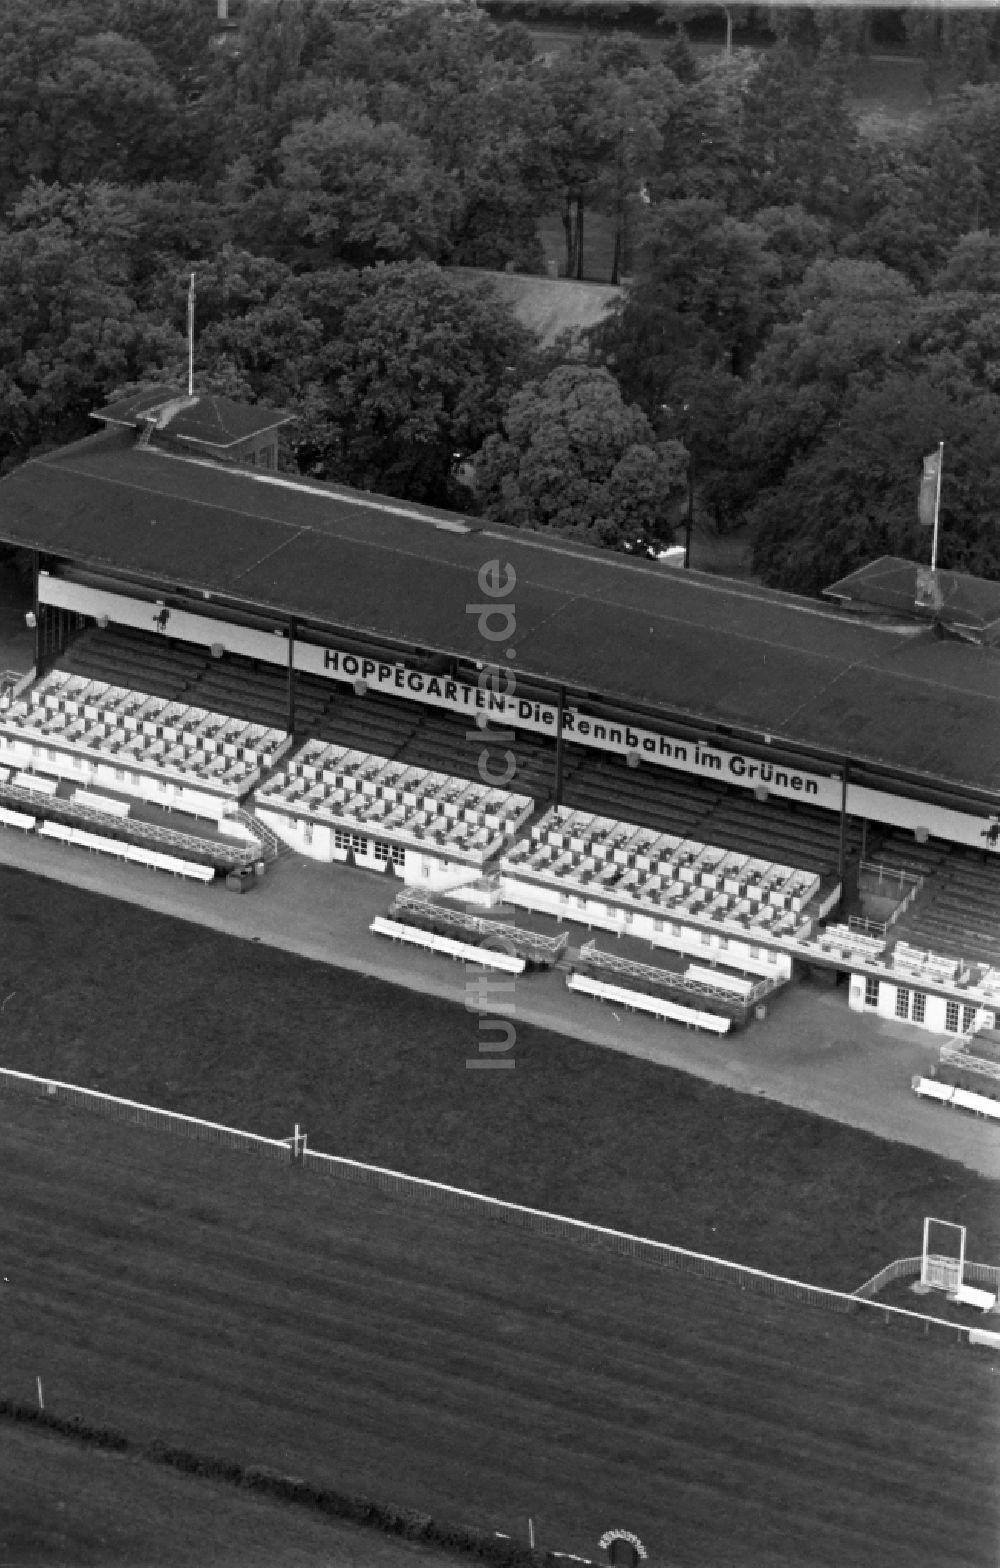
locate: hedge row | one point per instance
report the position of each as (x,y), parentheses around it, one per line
(405,1522)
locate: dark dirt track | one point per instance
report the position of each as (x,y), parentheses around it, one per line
(241,1308)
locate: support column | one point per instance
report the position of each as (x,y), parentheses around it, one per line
(291,677)
(557,791)
(842,849)
(35,564)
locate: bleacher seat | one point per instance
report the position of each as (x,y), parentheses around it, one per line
(358,789)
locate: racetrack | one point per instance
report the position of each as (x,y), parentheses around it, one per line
(433,1360)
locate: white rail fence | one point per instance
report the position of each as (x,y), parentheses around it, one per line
(140,1115)
(538,1221)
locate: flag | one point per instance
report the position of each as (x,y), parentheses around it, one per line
(927,501)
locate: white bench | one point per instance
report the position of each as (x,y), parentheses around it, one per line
(969,1296)
(111,808)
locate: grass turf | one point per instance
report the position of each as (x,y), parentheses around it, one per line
(229,1305)
(118,998)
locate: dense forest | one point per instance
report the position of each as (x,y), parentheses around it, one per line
(811,308)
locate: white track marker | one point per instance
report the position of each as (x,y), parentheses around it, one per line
(531,1534)
(41,1397)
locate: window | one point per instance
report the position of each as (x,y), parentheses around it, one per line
(919,1006)
(307,832)
(342,840)
(951,1017)
(871,991)
(902,1002)
(968,1018)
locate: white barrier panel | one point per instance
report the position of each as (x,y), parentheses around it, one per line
(659,1006)
(722,982)
(930,1089)
(969,1296)
(980,1103)
(57,830)
(16,819)
(984,1336)
(38,786)
(485,957)
(111,808)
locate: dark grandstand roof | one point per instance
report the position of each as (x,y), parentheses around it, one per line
(969,606)
(636,633)
(204,419)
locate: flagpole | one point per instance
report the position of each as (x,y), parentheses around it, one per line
(192,337)
(937,507)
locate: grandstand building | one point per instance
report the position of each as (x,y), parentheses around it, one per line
(228,658)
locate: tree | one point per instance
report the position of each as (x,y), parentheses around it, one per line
(177,33)
(972,265)
(853,498)
(361,192)
(586,139)
(33,39)
(70,329)
(849,326)
(396,373)
(700,299)
(799,138)
(103,111)
(576,460)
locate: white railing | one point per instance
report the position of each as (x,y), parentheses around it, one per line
(134,1111)
(909,1268)
(902,1268)
(539,1221)
(969,1062)
(520,939)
